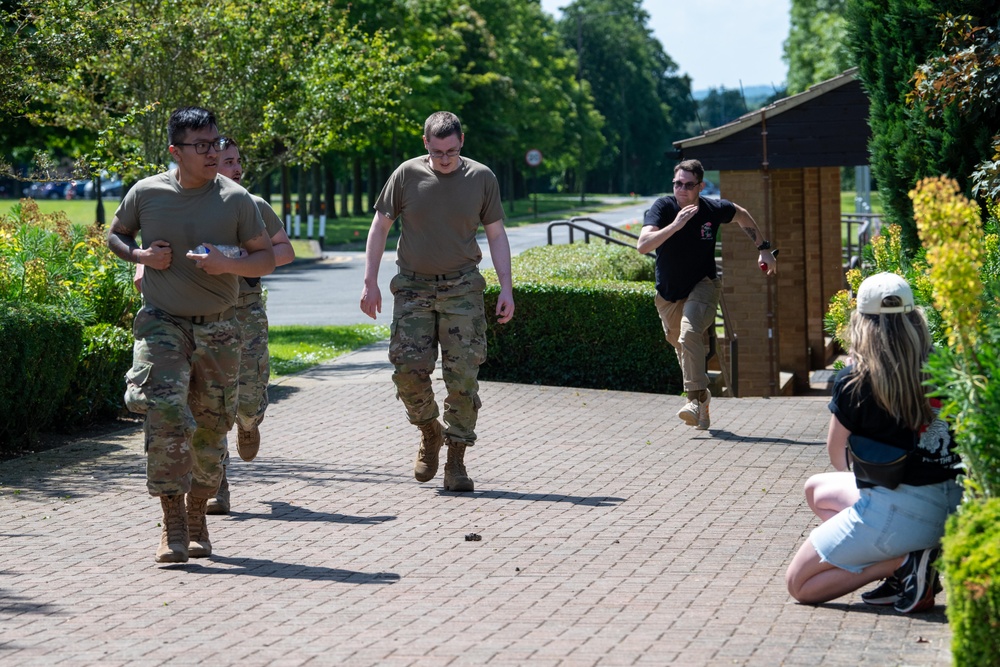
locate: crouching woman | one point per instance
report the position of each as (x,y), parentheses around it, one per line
(874,529)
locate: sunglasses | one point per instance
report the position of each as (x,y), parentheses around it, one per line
(686,185)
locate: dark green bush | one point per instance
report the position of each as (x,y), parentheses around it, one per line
(96,390)
(602,334)
(39,350)
(971,555)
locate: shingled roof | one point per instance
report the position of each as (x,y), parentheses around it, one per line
(824,126)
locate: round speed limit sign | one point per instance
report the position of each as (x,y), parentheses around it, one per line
(533,157)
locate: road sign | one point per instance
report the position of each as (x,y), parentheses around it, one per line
(533,157)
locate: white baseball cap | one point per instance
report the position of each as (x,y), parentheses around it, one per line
(874,289)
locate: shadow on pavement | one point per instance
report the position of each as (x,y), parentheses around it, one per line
(279,392)
(936,616)
(590,501)
(288,512)
(728,435)
(256,567)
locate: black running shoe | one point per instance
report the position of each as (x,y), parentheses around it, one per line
(887,593)
(916,578)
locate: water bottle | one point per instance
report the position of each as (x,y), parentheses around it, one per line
(231,251)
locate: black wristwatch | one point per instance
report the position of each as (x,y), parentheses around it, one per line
(766,245)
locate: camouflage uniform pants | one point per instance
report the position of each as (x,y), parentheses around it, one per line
(255,364)
(183,378)
(428,313)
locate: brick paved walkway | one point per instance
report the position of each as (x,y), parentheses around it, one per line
(612,534)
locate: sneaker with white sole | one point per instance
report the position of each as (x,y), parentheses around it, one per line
(916,579)
(889,591)
(695,413)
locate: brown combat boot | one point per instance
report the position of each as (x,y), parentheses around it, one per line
(174,536)
(220,503)
(455,477)
(198,545)
(248,442)
(431,439)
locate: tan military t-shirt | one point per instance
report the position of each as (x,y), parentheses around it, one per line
(220,212)
(272,224)
(441,214)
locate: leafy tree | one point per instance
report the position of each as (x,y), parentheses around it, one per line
(816,48)
(965,78)
(525,93)
(501,66)
(284,76)
(719,107)
(636,88)
(889,39)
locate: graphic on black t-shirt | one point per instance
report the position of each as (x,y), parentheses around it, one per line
(687,257)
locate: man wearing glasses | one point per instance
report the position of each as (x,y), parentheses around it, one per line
(682,229)
(441,199)
(255,368)
(187,342)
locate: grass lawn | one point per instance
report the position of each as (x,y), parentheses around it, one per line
(849,234)
(296,348)
(350,233)
(847,202)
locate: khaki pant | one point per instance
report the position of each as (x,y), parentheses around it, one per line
(428,313)
(688,324)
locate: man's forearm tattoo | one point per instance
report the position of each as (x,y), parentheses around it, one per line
(752,233)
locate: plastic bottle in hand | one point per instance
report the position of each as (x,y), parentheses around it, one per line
(231,251)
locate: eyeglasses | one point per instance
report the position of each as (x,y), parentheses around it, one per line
(202,147)
(686,185)
(437,155)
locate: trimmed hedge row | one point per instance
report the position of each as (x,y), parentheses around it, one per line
(596,333)
(55,373)
(39,351)
(96,391)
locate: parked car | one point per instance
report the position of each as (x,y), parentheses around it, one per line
(48,190)
(111,186)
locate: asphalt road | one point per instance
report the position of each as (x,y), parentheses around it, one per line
(328,291)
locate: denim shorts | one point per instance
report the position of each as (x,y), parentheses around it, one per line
(886,523)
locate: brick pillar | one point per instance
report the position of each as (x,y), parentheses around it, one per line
(799,211)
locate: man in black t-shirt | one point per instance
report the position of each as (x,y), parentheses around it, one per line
(682,229)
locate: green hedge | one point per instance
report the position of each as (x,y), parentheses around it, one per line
(96,390)
(971,556)
(584,318)
(39,351)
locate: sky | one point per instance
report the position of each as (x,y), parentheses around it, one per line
(718,43)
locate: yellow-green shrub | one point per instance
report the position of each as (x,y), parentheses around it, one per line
(971,556)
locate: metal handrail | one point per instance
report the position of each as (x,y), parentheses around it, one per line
(869,225)
(575,224)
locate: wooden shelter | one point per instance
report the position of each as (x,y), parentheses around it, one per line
(782,163)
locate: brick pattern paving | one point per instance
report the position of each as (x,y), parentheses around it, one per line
(612,534)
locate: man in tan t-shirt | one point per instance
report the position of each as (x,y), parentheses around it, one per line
(441,200)
(255,367)
(186,357)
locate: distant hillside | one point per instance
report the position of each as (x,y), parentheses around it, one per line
(751,92)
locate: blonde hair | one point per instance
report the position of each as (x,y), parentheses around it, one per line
(889,352)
